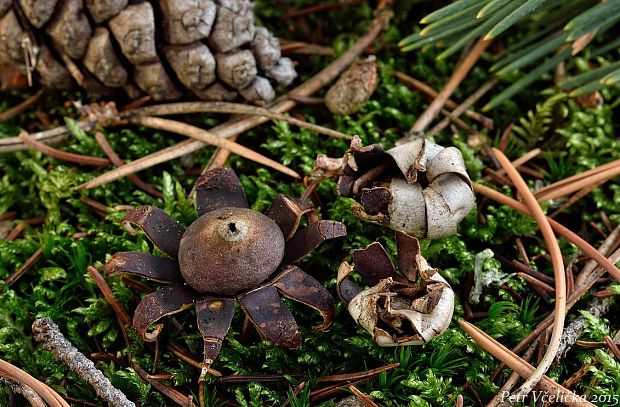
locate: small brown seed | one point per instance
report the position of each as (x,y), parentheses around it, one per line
(353,89)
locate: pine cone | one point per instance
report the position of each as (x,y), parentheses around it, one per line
(161,48)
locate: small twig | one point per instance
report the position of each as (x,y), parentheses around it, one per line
(566,189)
(117,161)
(522,251)
(534,273)
(520,366)
(304,48)
(12,279)
(11,144)
(459,74)
(187,130)
(432,93)
(21,107)
(558,271)
(63,155)
(17,230)
(460,109)
(48,334)
(232,108)
(521,160)
(514,376)
(503,140)
(537,283)
(182,354)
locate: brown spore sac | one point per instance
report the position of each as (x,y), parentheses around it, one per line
(230,250)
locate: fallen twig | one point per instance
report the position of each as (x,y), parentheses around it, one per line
(460,109)
(167,391)
(30,395)
(48,334)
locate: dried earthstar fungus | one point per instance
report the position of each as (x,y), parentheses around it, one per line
(396,310)
(229,254)
(418,187)
(211,48)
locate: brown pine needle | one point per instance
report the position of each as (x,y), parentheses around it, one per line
(21,107)
(232,108)
(457,77)
(574,178)
(109,296)
(523,368)
(63,155)
(48,394)
(612,347)
(367,401)
(558,271)
(536,282)
(10,280)
(117,161)
(418,85)
(174,395)
(460,109)
(566,189)
(188,130)
(358,375)
(576,197)
(585,247)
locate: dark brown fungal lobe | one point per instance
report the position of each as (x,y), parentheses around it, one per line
(186,21)
(229,250)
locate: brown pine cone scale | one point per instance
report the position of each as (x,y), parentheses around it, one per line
(205,49)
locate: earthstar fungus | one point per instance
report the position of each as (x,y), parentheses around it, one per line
(418,187)
(229,254)
(396,310)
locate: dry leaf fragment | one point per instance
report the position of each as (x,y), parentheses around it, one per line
(396,310)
